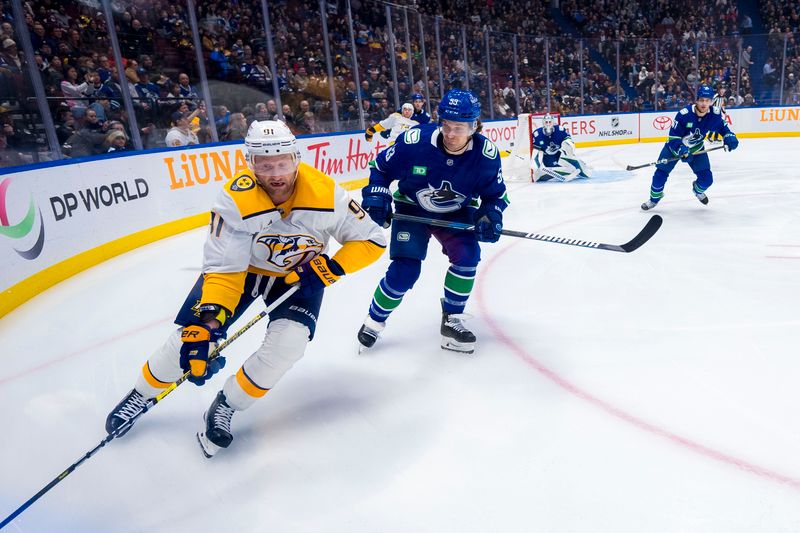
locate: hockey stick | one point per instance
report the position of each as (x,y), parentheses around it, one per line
(670,159)
(149,405)
(648,231)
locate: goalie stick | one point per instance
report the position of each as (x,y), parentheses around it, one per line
(643,236)
(150,403)
(670,159)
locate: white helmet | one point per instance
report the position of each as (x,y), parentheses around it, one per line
(270,137)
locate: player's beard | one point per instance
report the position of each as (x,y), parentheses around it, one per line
(279,188)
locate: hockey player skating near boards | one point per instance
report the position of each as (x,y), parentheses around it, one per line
(395,124)
(441,170)
(689,128)
(270,228)
(555,158)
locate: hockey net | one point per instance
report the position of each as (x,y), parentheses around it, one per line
(517,164)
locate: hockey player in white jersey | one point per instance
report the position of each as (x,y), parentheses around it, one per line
(270,228)
(396,123)
(555,158)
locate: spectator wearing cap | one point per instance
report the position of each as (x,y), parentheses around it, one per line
(11,70)
(146,88)
(420,115)
(180,134)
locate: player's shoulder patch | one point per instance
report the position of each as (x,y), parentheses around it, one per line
(248,199)
(536,133)
(412,135)
(242,183)
(489,149)
(684,111)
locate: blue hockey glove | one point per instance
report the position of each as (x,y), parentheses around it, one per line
(196,343)
(683,153)
(377,202)
(320,272)
(730,141)
(488,223)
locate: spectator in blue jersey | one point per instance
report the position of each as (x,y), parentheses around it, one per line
(442,170)
(186,90)
(420,115)
(685,143)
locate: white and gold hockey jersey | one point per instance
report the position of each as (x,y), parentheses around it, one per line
(397,124)
(251,234)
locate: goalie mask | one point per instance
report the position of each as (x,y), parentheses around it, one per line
(264,141)
(548,124)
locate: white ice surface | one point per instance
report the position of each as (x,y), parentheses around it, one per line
(648,392)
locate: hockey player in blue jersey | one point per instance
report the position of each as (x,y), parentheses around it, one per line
(555,158)
(442,171)
(690,127)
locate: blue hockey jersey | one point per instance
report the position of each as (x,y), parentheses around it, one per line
(550,145)
(422,117)
(689,129)
(435,184)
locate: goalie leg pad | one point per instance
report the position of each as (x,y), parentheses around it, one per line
(284,344)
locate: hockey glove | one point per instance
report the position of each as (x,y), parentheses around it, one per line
(683,153)
(315,275)
(197,340)
(488,223)
(730,141)
(369,133)
(377,202)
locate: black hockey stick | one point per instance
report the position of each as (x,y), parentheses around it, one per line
(149,405)
(648,231)
(670,159)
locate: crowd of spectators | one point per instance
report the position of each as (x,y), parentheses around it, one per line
(76,63)
(782,18)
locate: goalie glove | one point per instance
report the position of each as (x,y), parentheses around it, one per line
(315,275)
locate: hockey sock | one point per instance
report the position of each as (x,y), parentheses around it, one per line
(457,287)
(384,301)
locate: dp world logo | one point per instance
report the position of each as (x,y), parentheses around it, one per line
(19,229)
(662,122)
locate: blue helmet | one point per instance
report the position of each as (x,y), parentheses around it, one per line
(417,96)
(459,106)
(704,91)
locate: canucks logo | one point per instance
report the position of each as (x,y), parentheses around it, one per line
(441,200)
(286,252)
(694,138)
(243,183)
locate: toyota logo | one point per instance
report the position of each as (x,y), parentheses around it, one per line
(662,123)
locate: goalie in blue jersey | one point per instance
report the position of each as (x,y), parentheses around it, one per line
(691,125)
(555,158)
(444,171)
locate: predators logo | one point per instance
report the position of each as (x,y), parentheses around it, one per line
(286,252)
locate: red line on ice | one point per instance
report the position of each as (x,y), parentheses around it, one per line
(602,404)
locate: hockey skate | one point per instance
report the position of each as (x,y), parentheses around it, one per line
(700,195)
(648,205)
(455,336)
(369,333)
(130,406)
(217,433)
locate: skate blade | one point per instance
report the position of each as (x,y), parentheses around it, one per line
(206,446)
(455,346)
